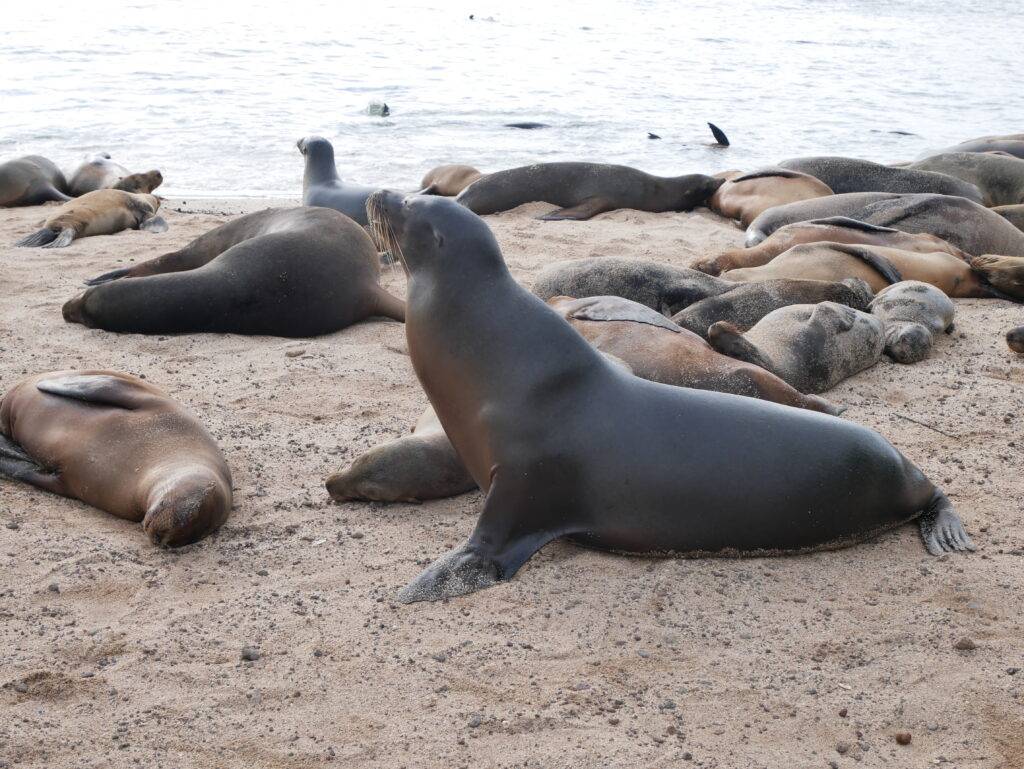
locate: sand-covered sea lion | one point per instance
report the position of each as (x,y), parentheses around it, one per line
(912,313)
(837,229)
(103,212)
(999,177)
(1011,144)
(448,180)
(321,185)
(119,444)
(584,190)
(293,272)
(813,347)
(31,181)
(1013,214)
(632,466)
(1015,339)
(967,225)
(99,172)
(746,196)
(844,175)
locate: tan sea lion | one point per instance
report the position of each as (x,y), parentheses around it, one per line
(103,212)
(746,196)
(119,444)
(448,180)
(31,181)
(143,182)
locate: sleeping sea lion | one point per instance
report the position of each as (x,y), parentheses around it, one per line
(99,172)
(1013,214)
(31,181)
(853,175)
(103,212)
(999,177)
(912,313)
(746,196)
(448,180)
(1010,144)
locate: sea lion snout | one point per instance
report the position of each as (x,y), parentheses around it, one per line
(184,513)
(72,309)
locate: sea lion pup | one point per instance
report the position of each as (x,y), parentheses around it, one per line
(1010,144)
(1013,214)
(980,277)
(31,181)
(448,180)
(837,229)
(1015,339)
(119,444)
(99,172)
(746,304)
(584,190)
(633,466)
(999,177)
(746,196)
(852,175)
(321,185)
(813,347)
(967,225)
(103,212)
(912,313)
(662,287)
(293,272)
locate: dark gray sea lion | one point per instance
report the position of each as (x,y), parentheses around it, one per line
(967,225)
(448,180)
(527,125)
(661,287)
(1015,339)
(999,177)
(1013,214)
(321,185)
(1011,144)
(294,272)
(99,172)
(584,190)
(746,196)
(844,175)
(912,313)
(813,347)
(103,212)
(119,444)
(31,181)
(565,444)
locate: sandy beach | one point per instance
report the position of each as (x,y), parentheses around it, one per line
(114,653)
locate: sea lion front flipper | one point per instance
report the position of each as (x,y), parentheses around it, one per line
(19,466)
(581,212)
(719,135)
(615,308)
(850,224)
(100,389)
(880,264)
(941,528)
(154,224)
(728,340)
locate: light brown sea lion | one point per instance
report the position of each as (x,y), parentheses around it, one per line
(746,196)
(143,182)
(448,180)
(1015,339)
(30,181)
(119,444)
(103,212)
(838,229)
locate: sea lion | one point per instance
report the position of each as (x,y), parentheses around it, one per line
(746,304)
(979,277)
(912,312)
(631,465)
(661,287)
(1010,144)
(103,212)
(1013,214)
(837,229)
(746,196)
(31,181)
(721,140)
(999,177)
(448,180)
(142,182)
(584,190)
(321,185)
(99,172)
(967,225)
(119,444)
(293,272)
(844,175)
(813,347)
(1015,339)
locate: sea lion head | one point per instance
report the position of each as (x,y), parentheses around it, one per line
(315,148)
(185,507)
(1003,273)
(908,342)
(1015,339)
(141,183)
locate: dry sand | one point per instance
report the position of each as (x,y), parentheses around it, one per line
(116,654)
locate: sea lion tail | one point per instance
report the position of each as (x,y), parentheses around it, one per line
(38,238)
(719,135)
(941,528)
(725,338)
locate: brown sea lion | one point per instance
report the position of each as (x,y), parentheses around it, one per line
(119,444)
(103,212)
(143,182)
(1013,214)
(448,180)
(746,196)
(1015,339)
(99,172)
(31,181)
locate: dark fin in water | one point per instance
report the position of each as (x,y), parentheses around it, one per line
(850,224)
(719,135)
(880,264)
(727,339)
(38,238)
(19,466)
(615,308)
(652,136)
(527,126)
(63,240)
(581,212)
(768,173)
(99,389)
(941,528)
(108,276)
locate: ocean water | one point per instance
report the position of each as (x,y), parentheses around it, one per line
(216,94)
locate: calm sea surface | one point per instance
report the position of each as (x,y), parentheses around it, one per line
(216,94)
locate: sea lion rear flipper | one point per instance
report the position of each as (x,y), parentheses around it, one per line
(615,308)
(154,224)
(100,389)
(19,466)
(941,528)
(880,264)
(719,135)
(727,339)
(108,276)
(850,224)
(63,240)
(581,212)
(37,238)
(390,306)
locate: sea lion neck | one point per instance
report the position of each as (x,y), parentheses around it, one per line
(320,166)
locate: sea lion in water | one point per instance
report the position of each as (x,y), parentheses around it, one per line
(912,312)
(999,177)
(584,190)
(294,272)
(321,185)
(852,175)
(967,225)
(746,196)
(119,444)
(103,212)
(448,180)
(99,172)
(30,181)
(837,229)
(1015,339)
(813,347)
(633,466)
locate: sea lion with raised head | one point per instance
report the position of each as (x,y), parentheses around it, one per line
(99,172)
(999,177)
(31,181)
(321,185)
(912,313)
(293,272)
(844,175)
(103,212)
(119,444)
(746,196)
(584,190)
(633,466)
(448,180)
